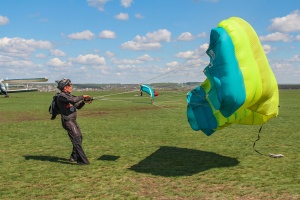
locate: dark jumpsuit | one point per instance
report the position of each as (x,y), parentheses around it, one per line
(68,104)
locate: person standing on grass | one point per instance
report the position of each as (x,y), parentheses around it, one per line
(67,104)
(3,89)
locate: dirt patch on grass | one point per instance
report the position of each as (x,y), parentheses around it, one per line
(94,113)
(104,111)
(30,116)
(151,188)
(185,189)
(18,117)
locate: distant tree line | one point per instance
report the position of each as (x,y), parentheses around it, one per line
(288,86)
(187,85)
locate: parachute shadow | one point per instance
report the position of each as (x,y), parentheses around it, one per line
(48,158)
(175,161)
(109,157)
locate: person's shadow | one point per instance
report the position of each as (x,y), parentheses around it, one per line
(48,159)
(175,161)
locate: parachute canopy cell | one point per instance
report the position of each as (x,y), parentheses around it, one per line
(146,88)
(240,86)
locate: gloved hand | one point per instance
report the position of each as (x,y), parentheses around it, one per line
(87,99)
(86,96)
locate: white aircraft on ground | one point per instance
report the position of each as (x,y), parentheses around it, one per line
(19,85)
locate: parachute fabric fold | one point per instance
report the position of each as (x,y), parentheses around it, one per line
(240,86)
(146,88)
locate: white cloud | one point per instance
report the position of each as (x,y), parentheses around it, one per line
(149,42)
(162,35)
(186,36)
(204,46)
(282,66)
(82,69)
(289,23)
(3,20)
(107,34)
(186,55)
(193,57)
(99,4)
(203,34)
(139,46)
(10,63)
(84,35)
(297,37)
(295,58)
(195,54)
(196,62)
(101,68)
(57,52)
(109,54)
(125,61)
(145,57)
(139,16)
(286,72)
(172,64)
(122,16)
(267,48)
(89,59)
(126,3)
(41,56)
(20,47)
(57,63)
(198,52)
(128,67)
(273,37)
(141,59)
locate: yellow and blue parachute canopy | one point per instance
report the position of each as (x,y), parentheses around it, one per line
(240,86)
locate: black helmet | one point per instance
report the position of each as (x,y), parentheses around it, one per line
(62,83)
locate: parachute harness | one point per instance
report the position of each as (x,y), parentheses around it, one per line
(270,154)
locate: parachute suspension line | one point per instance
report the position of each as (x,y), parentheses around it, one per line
(174,70)
(186,65)
(100,97)
(198,104)
(270,154)
(258,138)
(177,68)
(169,72)
(119,100)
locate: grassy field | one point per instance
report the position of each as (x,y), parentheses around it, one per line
(143,151)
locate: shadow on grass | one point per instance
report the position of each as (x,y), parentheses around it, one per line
(174,161)
(48,159)
(109,157)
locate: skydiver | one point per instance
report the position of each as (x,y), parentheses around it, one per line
(67,104)
(3,89)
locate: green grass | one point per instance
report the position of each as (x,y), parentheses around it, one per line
(143,151)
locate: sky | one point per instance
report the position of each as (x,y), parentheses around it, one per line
(137,41)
